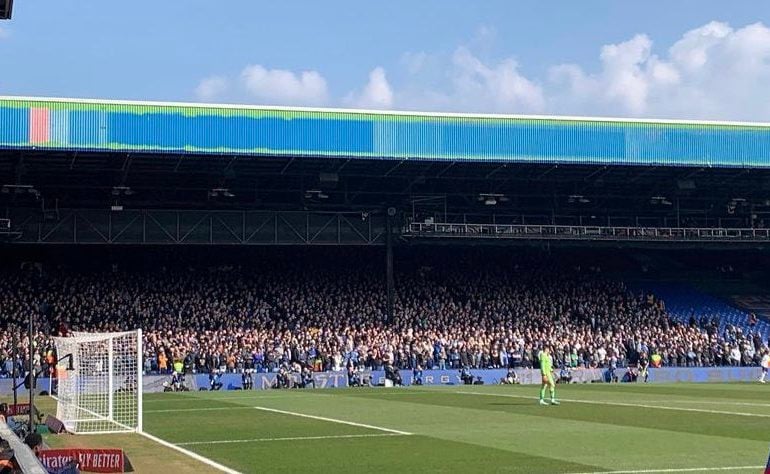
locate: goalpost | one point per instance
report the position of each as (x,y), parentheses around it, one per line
(100,382)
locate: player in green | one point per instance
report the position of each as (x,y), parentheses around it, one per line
(546,371)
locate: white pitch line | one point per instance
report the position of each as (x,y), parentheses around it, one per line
(296,438)
(191,454)
(174,410)
(686,469)
(743,404)
(334,420)
(621,404)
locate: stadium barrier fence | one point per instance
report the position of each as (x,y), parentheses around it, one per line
(262,381)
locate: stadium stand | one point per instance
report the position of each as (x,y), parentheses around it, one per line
(328,311)
(145,186)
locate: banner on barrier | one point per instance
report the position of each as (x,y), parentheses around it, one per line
(18,409)
(262,380)
(89,460)
(481,376)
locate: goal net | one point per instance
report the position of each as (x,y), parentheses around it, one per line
(100,387)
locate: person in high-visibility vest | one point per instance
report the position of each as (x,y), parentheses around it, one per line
(162,362)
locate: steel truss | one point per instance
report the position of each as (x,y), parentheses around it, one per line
(198,227)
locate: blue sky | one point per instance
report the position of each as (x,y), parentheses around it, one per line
(683,59)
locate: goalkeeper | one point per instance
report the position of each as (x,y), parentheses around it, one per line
(546,371)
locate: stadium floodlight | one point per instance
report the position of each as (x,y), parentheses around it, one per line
(225,192)
(122,190)
(315,194)
(6,9)
(100,386)
(491,199)
(20,189)
(328,178)
(578,198)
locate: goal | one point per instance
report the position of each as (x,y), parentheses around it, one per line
(99,386)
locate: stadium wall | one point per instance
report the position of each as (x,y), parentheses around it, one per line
(154,383)
(81,125)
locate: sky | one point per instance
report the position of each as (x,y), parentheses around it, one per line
(687,59)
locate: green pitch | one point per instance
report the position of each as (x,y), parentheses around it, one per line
(598,428)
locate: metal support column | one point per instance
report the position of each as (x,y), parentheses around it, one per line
(31,368)
(389,268)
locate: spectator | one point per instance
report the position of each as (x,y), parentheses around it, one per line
(328,315)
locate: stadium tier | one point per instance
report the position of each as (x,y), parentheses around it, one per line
(319,311)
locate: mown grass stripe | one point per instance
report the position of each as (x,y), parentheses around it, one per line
(684,469)
(293,438)
(622,404)
(174,410)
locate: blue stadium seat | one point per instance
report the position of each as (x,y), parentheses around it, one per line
(682,301)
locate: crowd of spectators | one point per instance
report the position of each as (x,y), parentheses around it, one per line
(331,314)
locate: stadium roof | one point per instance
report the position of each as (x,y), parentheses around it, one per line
(173,128)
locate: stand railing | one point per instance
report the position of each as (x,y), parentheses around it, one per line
(573,232)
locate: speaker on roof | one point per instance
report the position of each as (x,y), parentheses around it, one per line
(6,8)
(328,178)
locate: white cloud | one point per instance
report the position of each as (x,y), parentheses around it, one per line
(495,88)
(414,62)
(467,83)
(711,72)
(377,94)
(212,88)
(278,86)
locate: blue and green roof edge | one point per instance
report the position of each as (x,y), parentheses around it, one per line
(145,127)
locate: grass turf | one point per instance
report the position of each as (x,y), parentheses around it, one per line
(455,429)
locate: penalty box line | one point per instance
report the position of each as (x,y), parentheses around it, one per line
(622,404)
(335,420)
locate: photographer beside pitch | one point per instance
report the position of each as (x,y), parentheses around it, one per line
(546,371)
